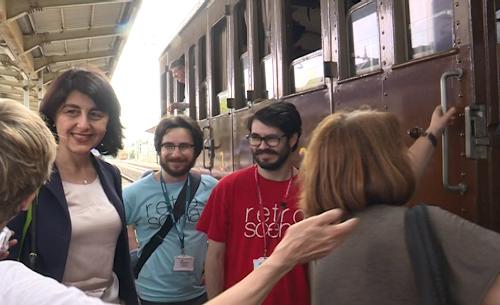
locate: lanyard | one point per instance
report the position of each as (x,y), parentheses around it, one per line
(261,205)
(182,220)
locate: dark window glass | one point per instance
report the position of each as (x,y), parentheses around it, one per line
(202,79)
(219,76)
(303,27)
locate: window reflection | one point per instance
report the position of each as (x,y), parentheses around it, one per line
(308,71)
(246,71)
(267,68)
(365,45)
(430,25)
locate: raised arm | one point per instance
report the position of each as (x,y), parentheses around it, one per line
(214,268)
(304,241)
(421,151)
(493,295)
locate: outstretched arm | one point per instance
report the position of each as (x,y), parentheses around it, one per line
(304,241)
(421,151)
(214,268)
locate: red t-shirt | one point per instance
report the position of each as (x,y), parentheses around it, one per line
(231,216)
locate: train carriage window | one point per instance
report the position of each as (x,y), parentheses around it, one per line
(364,37)
(430,24)
(177,68)
(244,64)
(191,82)
(170,88)
(163,91)
(202,79)
(219,72)
(303,18)
(265,56)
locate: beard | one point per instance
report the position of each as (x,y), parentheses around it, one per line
(282,154)
(176,172)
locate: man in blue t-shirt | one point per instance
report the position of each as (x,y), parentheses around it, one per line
(173,272)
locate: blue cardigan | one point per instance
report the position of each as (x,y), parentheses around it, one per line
(53,230)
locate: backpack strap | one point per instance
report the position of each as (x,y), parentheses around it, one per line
(430,265)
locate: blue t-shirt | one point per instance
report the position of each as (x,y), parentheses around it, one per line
(145,208)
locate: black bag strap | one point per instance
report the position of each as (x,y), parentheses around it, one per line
(30,225)
(179,209)
(429,263)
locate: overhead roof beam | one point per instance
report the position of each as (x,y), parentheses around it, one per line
(47,60)
(31,41)
(19,8)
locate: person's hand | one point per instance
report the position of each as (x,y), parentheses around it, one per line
(439,120)
(314,237)
(4,255)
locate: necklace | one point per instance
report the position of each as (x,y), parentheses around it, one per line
(85,181)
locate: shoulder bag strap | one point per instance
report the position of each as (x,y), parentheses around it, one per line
(30,224)
(427,257)
(157,239)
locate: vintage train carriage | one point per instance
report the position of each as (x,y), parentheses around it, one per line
(403,56)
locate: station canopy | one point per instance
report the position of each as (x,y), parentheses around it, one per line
(39,39)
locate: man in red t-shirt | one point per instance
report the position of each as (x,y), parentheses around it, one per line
(250,210)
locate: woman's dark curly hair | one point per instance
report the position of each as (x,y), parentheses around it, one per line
(96,86)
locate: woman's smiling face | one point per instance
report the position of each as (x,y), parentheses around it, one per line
(80,125)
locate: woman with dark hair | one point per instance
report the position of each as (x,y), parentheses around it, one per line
(78,224)
(358,162)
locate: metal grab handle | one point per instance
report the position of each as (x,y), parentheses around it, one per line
(460,187)
(207,145)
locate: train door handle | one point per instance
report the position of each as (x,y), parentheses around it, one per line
(460,187)
(208,145)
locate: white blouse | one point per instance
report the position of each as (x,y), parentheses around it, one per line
(95,225)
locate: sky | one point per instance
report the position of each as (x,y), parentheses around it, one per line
(136,79)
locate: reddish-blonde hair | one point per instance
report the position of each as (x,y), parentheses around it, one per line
(356,159)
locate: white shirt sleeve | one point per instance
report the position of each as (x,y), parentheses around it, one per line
(20,285)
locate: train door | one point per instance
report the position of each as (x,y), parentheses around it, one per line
(427,62)
(220,91)
(482,133)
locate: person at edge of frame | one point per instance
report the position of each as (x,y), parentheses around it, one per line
(358,161)
(79,219)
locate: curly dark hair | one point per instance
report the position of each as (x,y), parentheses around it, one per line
(282,115)
(96,86)
(179,121)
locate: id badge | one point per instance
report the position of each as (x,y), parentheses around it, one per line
(184,263)
(258,262)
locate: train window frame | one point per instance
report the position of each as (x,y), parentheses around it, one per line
(242,67)
(307,58)
(170,88)
(191,82)
(219,95)
(403,37)
(266,88)
(163,91)
(351,65)
(201,78)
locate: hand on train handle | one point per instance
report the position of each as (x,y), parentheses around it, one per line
(314,237)
(4,255)
(440,120)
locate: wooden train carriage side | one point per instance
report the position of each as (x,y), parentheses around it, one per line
(328,55)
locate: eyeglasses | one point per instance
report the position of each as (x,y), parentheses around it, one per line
(270,140)
(183,147)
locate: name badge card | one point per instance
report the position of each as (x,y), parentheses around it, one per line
(258,262)
(184,263)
